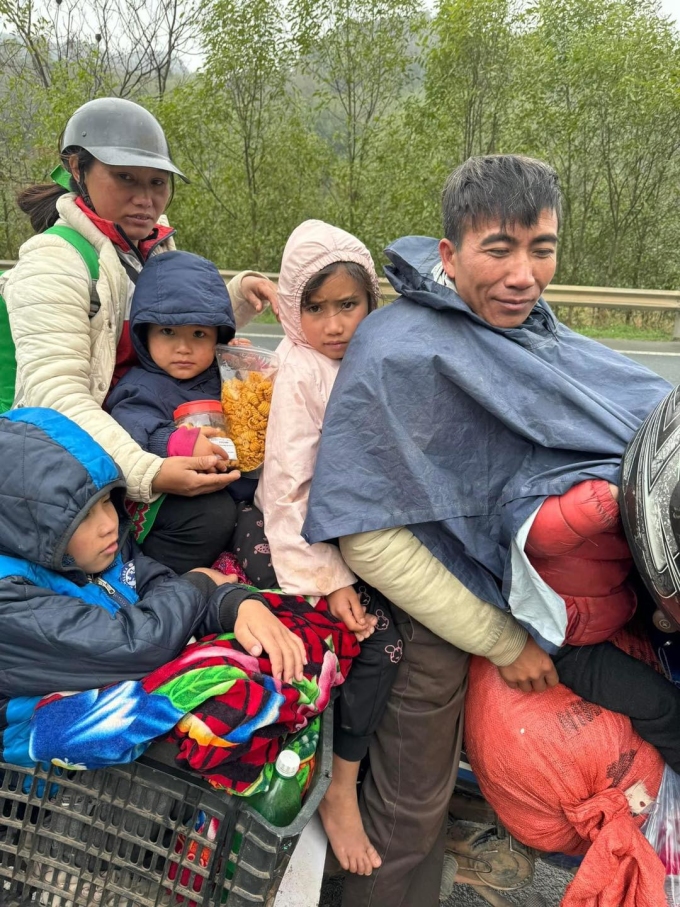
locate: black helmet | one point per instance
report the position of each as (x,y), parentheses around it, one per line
(119,133)
(650,503)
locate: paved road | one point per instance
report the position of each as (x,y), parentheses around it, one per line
(664,359)
(549,884)
(265,335)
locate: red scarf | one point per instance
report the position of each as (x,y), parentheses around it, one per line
(117,237)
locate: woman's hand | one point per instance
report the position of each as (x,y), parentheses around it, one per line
(194,475)
(260,291)
(345,605)
(258,630)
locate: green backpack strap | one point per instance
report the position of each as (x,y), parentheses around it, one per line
(87,251)
(8,363)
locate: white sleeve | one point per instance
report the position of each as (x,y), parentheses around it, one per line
(243,311)
(48,304)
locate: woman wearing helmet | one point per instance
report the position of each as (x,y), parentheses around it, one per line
(71,334)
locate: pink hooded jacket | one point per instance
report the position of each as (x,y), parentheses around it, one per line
(301,391)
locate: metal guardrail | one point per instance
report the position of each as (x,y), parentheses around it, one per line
(556,294)
(591,297)
(614,298)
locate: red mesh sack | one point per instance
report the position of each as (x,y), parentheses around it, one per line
(566,775)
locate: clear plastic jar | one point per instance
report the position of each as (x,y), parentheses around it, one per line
(208,414)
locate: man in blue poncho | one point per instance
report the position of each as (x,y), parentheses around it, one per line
(458,410)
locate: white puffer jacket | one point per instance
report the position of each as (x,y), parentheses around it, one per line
(65,359)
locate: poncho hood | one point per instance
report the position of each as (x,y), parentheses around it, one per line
(415,258)
(459,430)
(311,247)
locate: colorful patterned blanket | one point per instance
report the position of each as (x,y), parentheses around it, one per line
(228,715)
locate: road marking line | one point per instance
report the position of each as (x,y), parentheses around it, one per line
(280,337)
(643,353)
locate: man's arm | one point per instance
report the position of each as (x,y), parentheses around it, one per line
(401,567)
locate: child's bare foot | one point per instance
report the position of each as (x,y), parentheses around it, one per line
(339,811)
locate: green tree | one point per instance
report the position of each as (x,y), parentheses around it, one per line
(243,104)
(601,102)
(468,54)
(355,111)
(470,66)
(240,130)
(360,56)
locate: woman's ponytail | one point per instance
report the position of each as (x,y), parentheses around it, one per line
(39,202)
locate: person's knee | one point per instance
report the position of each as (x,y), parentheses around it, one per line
(191,532)
(214,518)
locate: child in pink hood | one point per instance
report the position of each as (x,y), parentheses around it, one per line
(327,286)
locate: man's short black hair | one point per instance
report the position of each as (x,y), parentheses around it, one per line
(508,188)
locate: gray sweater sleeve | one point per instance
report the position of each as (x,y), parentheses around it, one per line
(402,568)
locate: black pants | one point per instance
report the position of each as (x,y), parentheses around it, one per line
(606,676)
(362,699)
(251,547)
(191,532)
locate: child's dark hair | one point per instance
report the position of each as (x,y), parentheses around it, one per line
(356,271)
(39,202)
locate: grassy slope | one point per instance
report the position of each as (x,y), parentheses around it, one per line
(611,328)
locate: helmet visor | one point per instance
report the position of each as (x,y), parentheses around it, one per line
(116,156)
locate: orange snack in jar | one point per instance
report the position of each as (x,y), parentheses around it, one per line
(246,403)
(248,374)
(208,414)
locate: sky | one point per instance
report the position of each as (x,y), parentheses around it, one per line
(672,8)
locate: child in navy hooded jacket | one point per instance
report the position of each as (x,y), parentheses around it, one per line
(80,606)
(179,311)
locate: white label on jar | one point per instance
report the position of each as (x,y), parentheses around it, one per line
(227,446)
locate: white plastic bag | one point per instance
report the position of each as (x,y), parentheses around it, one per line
(662,830)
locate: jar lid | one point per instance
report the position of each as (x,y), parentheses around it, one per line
(198,406)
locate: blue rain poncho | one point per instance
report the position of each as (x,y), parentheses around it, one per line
(459,430)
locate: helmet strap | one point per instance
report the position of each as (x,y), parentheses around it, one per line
(84,193)
(62,177)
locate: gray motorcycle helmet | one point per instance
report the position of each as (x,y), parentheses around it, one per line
(119,133)
(650,505)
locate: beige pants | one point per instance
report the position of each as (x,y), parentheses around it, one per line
(414,761)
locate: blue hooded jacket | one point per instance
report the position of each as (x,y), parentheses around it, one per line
(459,430)
(175,288)
(63,629)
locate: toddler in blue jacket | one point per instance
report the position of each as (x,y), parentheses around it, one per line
(80,606)
(180,310)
